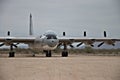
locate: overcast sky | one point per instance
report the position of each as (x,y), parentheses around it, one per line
(71,16)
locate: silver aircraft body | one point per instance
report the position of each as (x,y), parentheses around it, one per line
(50,41)
(47,41)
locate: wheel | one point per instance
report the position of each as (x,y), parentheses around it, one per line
(48,54)
(33,55)
(64,54)
(11,54)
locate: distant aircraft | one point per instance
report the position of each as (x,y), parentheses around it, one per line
(50,41)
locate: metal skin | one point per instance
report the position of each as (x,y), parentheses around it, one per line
(49,41)
(43,43)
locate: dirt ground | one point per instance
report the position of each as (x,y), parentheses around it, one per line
(74,67)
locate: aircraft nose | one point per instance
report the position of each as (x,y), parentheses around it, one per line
(53,43)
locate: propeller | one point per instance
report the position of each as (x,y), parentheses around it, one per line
(100,44)
(8,33)
(79,44)
(15,45)
(92,45)
(59,45)
(84,33)
(1,44)
(71,46)
(105,35)
(64,34)
(11,45)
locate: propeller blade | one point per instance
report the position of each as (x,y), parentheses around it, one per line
(59,44)
(92,45)
(71,46)
(1,44)
(84,33)
(100,44)
(64,34)
(113,44)
(16,43)
(15,46)
(105,35)
(8,33)
(79,44)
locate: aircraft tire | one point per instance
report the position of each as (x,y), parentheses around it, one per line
(64,54)
(11,54)
(48,54)
(33,55)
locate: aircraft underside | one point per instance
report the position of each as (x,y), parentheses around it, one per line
(45,48)
(47,52)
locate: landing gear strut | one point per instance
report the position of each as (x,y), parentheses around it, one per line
(48,53)
(65,52)
(11,53)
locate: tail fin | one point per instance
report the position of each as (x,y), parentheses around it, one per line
(31,26)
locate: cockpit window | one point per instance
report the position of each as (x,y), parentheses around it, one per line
(51,36)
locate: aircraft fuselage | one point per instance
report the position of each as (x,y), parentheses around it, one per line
(47,41)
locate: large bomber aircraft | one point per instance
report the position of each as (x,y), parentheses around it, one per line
(50,41)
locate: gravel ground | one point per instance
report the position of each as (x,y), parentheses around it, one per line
(74,67)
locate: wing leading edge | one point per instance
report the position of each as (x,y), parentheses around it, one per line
(17,39)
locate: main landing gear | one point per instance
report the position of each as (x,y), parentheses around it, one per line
(11,53)
(65,52)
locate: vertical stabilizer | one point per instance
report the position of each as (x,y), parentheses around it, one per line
(31,25)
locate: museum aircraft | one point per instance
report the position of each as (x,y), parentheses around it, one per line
(50,41)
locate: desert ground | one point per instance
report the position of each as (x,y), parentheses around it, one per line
(74,67)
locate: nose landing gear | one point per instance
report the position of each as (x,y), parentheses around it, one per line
(48,53)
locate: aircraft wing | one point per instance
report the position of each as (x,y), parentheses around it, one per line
(88,41)
(17,39)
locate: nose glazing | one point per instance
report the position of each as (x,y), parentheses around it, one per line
(52,43)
